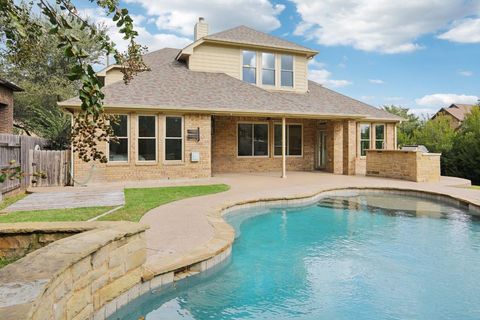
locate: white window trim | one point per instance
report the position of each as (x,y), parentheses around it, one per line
(288,140)
(165,139)
(384,135)
(275,70)
(253,151)
(249,66)
(138,138)
(293,72)
(360,139)
(107,152)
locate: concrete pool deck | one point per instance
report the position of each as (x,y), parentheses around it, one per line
(179,228)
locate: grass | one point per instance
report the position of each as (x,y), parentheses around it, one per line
(137,203)
(5,261)
(475,187)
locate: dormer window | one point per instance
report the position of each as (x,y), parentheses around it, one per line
(268,69)
(249,67)
(286,66)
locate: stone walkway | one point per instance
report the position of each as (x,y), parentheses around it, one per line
(74,198)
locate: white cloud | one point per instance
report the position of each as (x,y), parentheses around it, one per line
(153,41)
(376,81)
(315,64)
(463,31)
(180,16)
(322,76)
(465,73)
(445,99)
(367,98)
(380,25)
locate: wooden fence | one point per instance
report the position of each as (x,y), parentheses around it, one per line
(21,149)
(55,164)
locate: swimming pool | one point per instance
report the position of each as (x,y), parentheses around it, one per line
(358,256)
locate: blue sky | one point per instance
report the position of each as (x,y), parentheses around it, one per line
(421,54)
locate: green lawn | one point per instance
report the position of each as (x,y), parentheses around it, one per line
(4,262)
(9,200)
(475,187)
(137,203)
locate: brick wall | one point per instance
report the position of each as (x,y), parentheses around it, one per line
(405,165)
(160,170)
(6,110)
(224,148)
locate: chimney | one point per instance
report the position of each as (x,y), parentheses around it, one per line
(201,29)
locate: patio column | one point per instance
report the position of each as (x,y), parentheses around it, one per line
(284,147)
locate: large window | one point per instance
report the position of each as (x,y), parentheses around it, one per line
(118,150)
(286,71)
(147,138)
(249,66)
(379,136)
(252,139)
(294,139)
(364,138)
(268,69)
(173,138)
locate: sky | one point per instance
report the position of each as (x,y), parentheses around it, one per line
(420,54)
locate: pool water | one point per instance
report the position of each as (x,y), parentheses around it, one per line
(358,256)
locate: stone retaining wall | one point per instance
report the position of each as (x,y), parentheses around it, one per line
(405,165)
(74,277)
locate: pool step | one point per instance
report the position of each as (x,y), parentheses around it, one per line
(183,274)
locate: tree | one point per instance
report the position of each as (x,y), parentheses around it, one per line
(463,160)
(20,33)
(437,135)
(43,75)
(406,129)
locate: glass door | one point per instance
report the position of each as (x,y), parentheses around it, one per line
(321,153)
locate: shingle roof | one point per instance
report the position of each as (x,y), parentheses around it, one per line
(10,85)
(459,111)
(246,35)
(170,85)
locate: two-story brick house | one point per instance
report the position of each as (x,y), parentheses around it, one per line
(235,101)
(6,105)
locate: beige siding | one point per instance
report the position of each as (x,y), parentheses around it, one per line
(216,58)
(113,75)
(209,58)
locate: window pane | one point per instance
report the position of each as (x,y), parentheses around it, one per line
(118,151)
(268,77)
(249,75)
(379,131)
(365,131)
(287,63)
(278,140)
(364,145)
(261,140)
(249,58)
(268,60)
(379,144)
(147,149)
(173,149)
(244,139)
(294,140)
(146,126)
(121,127)
(174,127)
(287,79)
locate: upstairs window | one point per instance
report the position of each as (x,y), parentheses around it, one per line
(268,69)
(364,139)
(118,150)
(286,71)
(249,68)
(379,136)
(293,139)
(253,140)
(147,138)
(173,138)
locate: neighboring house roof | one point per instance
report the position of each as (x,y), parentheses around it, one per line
(10,85)
(458,111)
(249,36)
(170,85)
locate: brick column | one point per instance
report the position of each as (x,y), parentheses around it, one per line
(335,147)
(349,146)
